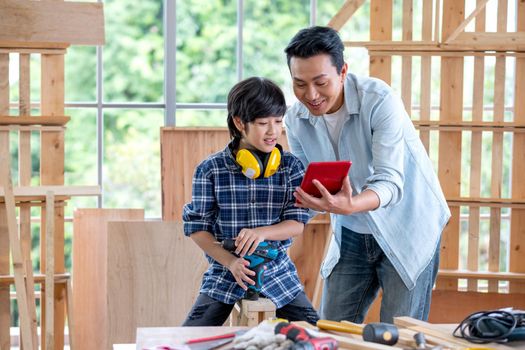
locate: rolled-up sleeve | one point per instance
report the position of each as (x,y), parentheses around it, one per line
(387,151)
(200,214)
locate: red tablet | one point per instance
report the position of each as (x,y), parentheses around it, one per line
(330,174)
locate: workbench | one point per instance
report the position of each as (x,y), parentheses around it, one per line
(146,337)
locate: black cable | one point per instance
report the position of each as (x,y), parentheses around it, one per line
(490,326)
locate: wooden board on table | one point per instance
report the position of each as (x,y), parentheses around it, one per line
(153,276)
(89,272)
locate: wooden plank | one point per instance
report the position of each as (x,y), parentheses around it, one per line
(40,191)
(30,128)
(426,72)
(32,51)
(345,13)
(509,41)
(449,167)
(142,255)
(90,256)
(517,228)
(50,271)
(38,278)
(480,9)
(381,29)
(501,276)
(16,254)
(24,179)
(406,61)
(414,51)
(33,47)
(496,127)
(70,315)
(52,173)
(486,202)
(5,303)
(442,310)
(25,119)
(497,152)
(52,22)
(475,158)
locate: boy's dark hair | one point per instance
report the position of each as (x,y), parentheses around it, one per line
(254,98)
(317,40)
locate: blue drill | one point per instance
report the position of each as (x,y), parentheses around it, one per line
(265,252)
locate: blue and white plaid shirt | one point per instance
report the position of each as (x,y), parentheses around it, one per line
(224,201)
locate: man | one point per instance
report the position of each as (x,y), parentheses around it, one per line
(388,217)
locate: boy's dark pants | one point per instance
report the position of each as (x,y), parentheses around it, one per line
(210,312)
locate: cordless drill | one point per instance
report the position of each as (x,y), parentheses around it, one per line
(264,253)
(302,340)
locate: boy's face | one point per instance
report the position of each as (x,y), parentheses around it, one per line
(261,134)
(316,83)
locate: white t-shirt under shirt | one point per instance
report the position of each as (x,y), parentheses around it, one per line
(334,124)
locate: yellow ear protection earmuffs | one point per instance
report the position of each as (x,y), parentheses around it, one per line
(255,163)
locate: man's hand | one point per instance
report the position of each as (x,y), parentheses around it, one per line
(339,203)
(240,271)
(247,241)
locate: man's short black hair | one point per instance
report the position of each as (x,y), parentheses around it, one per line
(254,98)
(317,40)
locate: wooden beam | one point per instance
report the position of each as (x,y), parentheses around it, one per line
(487,202)
(517,225)
(51,22)
(381,29)
(34,120)
(38,278)
(50,271)
(5,266)
(40,191)
(509,41)
(479,7)
(32,51)
(498,126)
(482,275)
(345,13)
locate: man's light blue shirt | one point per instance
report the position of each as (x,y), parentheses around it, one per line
(387,157)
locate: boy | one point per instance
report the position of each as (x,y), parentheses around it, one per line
(245,192)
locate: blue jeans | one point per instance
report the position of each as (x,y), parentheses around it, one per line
(209,312)
(355,281)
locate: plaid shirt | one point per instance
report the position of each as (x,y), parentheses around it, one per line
(224,201)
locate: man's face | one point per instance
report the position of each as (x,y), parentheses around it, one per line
(261,134)
(316,83)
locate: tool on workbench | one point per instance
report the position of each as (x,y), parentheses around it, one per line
(302,339)
(212,342)
(264,253)
(382,333)
(492,326)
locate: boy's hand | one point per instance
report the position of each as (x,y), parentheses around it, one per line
(240,271)
(247,241)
